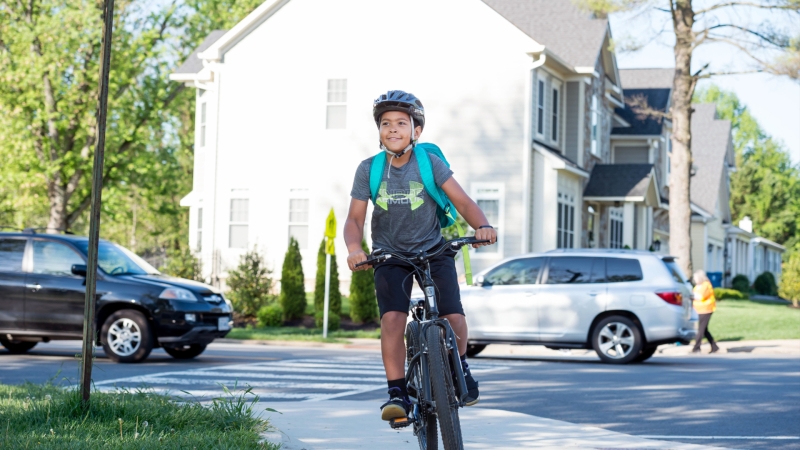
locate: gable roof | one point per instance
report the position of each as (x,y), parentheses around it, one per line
(193,64)
(711,142)
(648,125)
(619,181)
(567,31)
(647,78)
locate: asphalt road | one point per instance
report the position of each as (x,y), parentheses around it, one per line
(737,398)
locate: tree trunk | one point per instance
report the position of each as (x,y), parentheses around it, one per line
(58,206)
(680,212)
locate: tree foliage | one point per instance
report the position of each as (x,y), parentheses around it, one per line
(250,284)
(363,302)
(293,291)
(790,279)
(319,287)
(183,263)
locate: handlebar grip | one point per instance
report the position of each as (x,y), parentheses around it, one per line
(364,263)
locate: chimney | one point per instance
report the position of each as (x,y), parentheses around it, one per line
(746,224)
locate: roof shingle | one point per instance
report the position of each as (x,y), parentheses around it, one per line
(619,180)
(193,63)
(646,78)
(710,141)
(648,125)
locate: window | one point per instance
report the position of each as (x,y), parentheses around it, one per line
(566,221)
(337,105)
(489,197)
(516,272)
(620,269)
(298,221)
(199,229)
(54,258)
(540,108)
(554,131)
(677,273)
(12,252)
(575,270)
(590,224)
(615,228)
(203,124)
(239,228)
(595,129)
(116,260)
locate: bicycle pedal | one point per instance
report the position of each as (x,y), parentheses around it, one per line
(400,422)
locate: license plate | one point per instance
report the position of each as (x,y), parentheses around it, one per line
(224,323)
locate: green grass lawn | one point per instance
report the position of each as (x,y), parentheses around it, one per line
(299,334)
(737,320)
(50,417)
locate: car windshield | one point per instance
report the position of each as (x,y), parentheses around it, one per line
(117,260)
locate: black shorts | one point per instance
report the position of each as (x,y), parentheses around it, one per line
(393,280)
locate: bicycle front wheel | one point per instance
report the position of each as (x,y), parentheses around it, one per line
(444,393)
(425,422)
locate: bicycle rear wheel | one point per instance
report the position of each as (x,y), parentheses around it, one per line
(442,389)
(425,425)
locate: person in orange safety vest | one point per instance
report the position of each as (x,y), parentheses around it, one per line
(705,304)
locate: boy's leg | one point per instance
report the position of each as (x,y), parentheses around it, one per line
(393,346)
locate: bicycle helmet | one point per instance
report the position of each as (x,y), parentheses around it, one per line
(399,101)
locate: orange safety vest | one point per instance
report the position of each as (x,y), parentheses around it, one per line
(704,300)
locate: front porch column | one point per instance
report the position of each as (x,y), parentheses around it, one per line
(628,211)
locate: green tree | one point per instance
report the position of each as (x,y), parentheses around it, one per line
(319,287)
(250,284)
(698,25)
(790,279)
(765,186)
(182,263)
(293,291)
(363,302)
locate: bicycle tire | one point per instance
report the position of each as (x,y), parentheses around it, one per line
(425,428)
(442,390)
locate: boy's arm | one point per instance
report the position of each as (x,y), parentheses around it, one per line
(354,233)
(470,211)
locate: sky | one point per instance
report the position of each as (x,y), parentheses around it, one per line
(773,101)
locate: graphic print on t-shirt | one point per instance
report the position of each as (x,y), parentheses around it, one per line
(412,196)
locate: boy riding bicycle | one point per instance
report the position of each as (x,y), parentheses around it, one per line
(405,220)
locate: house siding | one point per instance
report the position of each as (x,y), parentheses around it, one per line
(572,122)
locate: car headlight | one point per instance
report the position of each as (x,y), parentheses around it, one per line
(177,294)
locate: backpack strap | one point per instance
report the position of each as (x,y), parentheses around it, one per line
(376,175)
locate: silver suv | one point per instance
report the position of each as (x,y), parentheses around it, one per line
(621,303)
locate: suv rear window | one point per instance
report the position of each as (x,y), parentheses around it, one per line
(675,271)
(11,253)
(623,269)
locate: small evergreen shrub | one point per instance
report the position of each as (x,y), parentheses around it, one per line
(319,286)
(363,302)
(765,284)
(334,321)
(182,263)
(270,316)
(741,283)
(293,292)
(790,279)
(722,293)
(250,284)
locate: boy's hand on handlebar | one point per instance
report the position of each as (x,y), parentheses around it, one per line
(356,257)
(489,234)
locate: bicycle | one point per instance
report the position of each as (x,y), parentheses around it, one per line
(431,348)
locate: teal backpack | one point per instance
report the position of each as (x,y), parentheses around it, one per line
(445,211)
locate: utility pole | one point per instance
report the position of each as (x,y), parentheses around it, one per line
(94,215)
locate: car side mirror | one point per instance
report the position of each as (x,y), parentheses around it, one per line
(79,270)
(480,281)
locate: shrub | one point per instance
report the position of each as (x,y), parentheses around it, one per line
(182,263)
(293,292)
(790,279)
(319,286)
(765,284)
(270,316)
(363,302)
(722,293)
(741,283)
(250,284)
(334,321)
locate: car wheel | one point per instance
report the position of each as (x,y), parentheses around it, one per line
(126,336)
(474,349)
(645,354)
(617,340)
(185,351)
(17,347)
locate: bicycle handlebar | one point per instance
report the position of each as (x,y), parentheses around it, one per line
(380,255)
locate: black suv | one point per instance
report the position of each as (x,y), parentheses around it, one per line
(42,288)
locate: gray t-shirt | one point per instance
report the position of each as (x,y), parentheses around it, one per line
(404,218)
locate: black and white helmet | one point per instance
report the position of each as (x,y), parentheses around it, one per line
(399,101)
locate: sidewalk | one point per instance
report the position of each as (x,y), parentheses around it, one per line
(339,425)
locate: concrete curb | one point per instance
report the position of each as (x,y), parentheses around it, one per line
(335,425)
